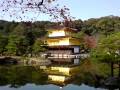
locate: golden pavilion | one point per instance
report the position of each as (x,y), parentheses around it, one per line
(62,44)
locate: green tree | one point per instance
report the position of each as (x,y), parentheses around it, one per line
(17,45)
(89,26)
(77,24)
(38,46)
(3,43)
(20,30)
(108,50)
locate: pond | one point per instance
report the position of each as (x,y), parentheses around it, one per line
(51,87)
(33,78)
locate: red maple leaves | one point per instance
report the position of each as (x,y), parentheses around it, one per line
(90,41)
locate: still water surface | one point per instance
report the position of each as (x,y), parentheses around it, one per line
(51,87)
(32,78)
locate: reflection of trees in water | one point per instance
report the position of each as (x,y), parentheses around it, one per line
(87,79)
(93,81)
(17,76)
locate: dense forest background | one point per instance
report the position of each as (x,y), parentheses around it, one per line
(23,38)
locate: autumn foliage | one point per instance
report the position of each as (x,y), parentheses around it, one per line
(90,41)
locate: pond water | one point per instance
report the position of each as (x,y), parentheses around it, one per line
(33,78)
(51,87)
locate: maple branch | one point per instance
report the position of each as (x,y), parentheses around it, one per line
(41,3)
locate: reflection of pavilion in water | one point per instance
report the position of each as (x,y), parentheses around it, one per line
(61,73)
(60,76)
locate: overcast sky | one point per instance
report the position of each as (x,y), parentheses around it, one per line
(83,9)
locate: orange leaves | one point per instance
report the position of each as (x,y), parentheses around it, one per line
(90,41)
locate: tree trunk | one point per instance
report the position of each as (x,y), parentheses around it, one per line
(119,70)
(112,71)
